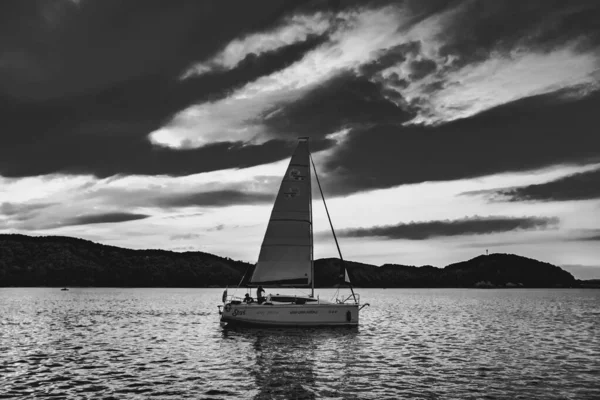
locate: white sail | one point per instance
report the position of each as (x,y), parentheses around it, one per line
(285,257)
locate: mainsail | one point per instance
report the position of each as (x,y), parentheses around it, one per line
(285,257)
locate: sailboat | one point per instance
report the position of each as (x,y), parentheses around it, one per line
(286,261)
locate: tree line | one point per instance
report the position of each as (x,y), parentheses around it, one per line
(64,261)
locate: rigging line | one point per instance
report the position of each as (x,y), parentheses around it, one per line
(331,224)
(243,276)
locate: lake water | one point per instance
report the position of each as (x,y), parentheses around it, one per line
(411,343)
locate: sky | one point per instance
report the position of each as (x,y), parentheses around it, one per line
(440,129)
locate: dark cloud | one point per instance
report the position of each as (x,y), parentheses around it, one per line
(595,238)
(586,235)
(57,48)
(104,218)
(343,102)
(214,194)
(95,119)
(107,148)
(390,57)
(28,221)
(420,7)
(219,198)
(478,28)
(526,134)
(581,186)
(466,226)
(115,150)
(421,68)
(22,211)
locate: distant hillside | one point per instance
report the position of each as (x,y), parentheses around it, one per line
(64,261)
(495,270)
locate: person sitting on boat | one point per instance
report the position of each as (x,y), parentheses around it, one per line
(260,294)
(248,299)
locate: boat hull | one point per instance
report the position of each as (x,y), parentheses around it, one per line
(290,314)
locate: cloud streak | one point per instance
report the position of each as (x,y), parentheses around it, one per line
(103,218)
(581,186)
(28,222)
(528,134)
(219,198)
(294,29)
(460,227)
(592,235)
(238,117)
(502,79)
(22,211)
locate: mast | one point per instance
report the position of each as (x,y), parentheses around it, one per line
(312,246)
(331,224)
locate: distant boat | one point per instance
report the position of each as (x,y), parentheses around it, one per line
(286,261)
(64,288)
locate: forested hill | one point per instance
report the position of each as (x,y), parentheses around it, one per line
(495,270)
(64,261)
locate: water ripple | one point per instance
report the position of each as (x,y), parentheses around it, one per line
(424,344)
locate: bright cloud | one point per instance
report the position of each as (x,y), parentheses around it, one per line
(360,37)
(355,41)
(295,29)
(50,202)
(459,90)
(499,80)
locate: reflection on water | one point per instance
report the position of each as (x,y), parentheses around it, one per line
(281,370)
(428,344)
(286,359)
